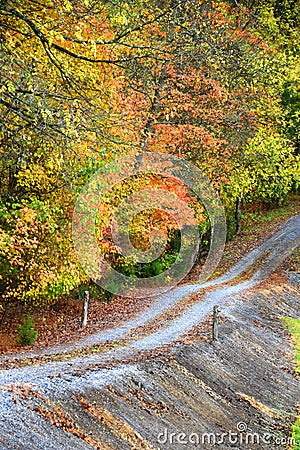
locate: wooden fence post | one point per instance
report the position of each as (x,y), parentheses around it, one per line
(215,326)
(85,308)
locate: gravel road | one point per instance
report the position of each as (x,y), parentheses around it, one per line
(276,249)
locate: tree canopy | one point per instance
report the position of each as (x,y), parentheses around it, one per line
(214,82)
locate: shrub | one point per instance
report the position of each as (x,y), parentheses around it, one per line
(26,333)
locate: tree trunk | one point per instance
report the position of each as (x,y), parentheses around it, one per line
(238,225)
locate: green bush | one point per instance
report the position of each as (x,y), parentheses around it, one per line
(26,333)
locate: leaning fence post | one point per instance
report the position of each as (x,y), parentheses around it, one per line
(85,308)
(215,325)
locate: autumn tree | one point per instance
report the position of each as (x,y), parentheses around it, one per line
(82,82)
(186,103)
(215,99)
(58,103)
(270,158)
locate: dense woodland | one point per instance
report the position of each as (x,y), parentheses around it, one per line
(84,83)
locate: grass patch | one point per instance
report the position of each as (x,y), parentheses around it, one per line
(294,328)
(27,334)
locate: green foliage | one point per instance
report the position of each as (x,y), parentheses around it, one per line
(296,435)
(294,328)
(272,167)
(267,171)
(27,334)
(291,102)
(144,270)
